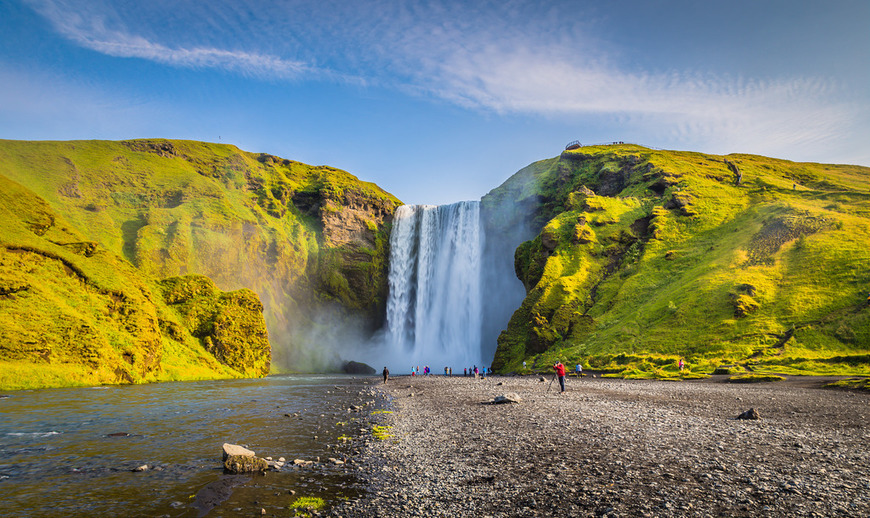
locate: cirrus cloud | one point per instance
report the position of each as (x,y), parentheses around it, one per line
(508,57)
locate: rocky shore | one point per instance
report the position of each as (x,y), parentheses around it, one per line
(616,448)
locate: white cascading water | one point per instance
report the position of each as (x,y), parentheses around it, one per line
(434,307)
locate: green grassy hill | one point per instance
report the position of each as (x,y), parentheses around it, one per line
(647,256)
(126,216)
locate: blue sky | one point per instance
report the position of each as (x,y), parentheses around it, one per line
(441,101)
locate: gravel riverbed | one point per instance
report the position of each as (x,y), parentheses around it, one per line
(616,448)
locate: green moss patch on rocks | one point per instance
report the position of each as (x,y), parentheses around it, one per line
(229,325)
(74,313)
(857,384)
(245,464)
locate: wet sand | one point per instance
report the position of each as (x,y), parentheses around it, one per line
(616,448)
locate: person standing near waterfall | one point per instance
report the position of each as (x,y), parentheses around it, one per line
(386,373)
(560,372)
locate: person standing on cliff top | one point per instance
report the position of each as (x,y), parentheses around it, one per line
(560,372)
(386,374)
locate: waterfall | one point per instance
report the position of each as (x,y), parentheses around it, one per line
(434,307)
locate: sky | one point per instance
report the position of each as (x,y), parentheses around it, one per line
(441,101)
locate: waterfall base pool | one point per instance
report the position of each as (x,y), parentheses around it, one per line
(73,452)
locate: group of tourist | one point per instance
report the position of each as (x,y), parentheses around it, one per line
(558,367)
(474,371)
(415,371)
(448,371)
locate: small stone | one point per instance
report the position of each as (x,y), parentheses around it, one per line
(509,397)
(750,414)
(143,467)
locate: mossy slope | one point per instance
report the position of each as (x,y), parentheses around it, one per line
(646,256)
(302,238)
(74,313)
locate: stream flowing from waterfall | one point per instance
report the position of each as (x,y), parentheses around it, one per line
(435,303)
(74,451)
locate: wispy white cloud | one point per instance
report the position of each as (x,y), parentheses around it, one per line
(508,57)
(783,112)
(542,72)
(104,31)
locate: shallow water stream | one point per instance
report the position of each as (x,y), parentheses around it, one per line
(71,452)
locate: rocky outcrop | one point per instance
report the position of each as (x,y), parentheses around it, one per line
(354,266)
(229,325)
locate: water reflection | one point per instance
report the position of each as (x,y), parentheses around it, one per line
(72,452)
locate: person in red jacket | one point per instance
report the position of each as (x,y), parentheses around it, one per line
(560,371)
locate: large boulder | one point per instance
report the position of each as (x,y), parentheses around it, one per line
(236,450)
(245,464)
(353,367)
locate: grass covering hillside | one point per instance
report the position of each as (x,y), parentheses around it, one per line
(647,256)
(306,239)
(74,313)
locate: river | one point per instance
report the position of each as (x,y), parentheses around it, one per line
(72,452)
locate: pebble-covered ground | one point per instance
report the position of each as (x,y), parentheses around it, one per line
(616,448)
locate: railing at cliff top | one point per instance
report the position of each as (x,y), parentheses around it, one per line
(612,143)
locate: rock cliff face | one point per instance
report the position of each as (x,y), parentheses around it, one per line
(309,242)
(641,257)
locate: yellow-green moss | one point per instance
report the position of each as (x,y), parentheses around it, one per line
(381,433)
(303,506)
(669,256)
(174,207)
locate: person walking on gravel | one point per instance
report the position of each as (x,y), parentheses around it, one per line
(386,374)
(560,372)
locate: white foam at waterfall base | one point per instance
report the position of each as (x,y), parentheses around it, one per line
(434,306)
